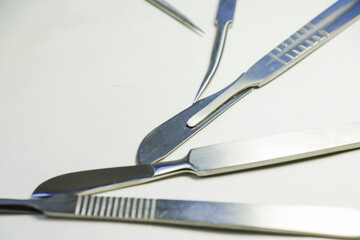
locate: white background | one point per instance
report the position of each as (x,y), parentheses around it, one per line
(83,81)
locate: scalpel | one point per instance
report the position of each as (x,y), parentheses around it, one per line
(211,160)
(316,221)
(171,134)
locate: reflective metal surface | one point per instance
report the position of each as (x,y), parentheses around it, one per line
(223,21)
(173,12)
(167,137)
(175,131)
(211,160)
(63,116)
(299,45)
(317,221)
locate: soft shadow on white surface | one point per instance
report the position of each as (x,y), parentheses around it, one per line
(82,82)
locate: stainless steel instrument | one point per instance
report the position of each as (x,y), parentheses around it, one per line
(173,12)
(223,21)
(172,133)
(317,221)
(212,160)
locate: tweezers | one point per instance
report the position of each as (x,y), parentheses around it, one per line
(223,22)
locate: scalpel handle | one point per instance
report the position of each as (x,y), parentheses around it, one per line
(9,206)
(270,150)
(318,31)
(291,220)
(299,45)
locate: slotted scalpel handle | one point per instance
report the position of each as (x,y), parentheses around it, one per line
(299,45)
(292,220)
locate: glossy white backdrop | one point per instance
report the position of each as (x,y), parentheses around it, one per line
(83,81)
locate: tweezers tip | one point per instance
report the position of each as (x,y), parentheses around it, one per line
(176,14)
(198,94)
(199,29)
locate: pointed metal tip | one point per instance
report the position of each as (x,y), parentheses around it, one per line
(199,29)
(190,24)
(173,12)
(198,94)
(206,81)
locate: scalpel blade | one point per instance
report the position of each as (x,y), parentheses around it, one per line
(211,160)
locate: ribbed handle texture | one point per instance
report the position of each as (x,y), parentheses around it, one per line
(298,44)
(115,208)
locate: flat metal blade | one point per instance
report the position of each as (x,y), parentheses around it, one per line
(167,137)
(91,181)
